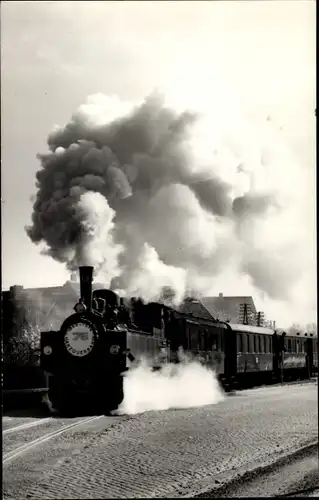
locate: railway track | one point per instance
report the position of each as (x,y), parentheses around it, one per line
(25,426)
(19,450)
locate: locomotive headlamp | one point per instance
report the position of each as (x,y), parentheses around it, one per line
(47,350)
(79,307)
(114,349)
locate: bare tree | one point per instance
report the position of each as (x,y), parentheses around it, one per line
(294,328)
(311,328)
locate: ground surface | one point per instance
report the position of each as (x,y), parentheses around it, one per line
(175,452)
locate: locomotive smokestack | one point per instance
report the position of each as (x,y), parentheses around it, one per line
(86,278)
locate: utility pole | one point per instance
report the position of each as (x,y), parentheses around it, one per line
(244,314)
(260,318)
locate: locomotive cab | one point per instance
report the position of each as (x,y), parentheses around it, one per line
(107,304)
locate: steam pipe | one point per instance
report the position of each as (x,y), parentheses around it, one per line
(86,278)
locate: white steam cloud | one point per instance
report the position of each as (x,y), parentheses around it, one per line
(154,197)
(96,245)
(183,385)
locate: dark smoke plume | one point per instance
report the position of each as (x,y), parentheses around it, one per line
(123,188)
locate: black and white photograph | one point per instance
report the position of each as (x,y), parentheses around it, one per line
(159,257)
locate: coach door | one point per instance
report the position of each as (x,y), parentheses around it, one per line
(230,352)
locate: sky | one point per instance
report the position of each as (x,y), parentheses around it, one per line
(258,57)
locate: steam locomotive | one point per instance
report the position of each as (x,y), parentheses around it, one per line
(85,360)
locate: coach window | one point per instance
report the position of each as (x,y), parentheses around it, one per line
(255,344)
(202,340)
(297,346)
(286,343)
(265,343)
(250,343)
(221,340)
(194,338)
(205,337)
(270,345)
(289,346)
(244,342)
(261,343)
(214,342)
(301,344)
(189,338)
(293,345)
(239,343)
(247,342)
(208,335)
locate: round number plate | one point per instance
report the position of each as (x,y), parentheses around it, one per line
(79,339)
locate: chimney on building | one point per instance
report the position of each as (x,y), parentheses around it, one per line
(16,290)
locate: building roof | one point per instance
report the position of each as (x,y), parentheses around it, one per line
(260,330)
(195,308)
(227,308)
